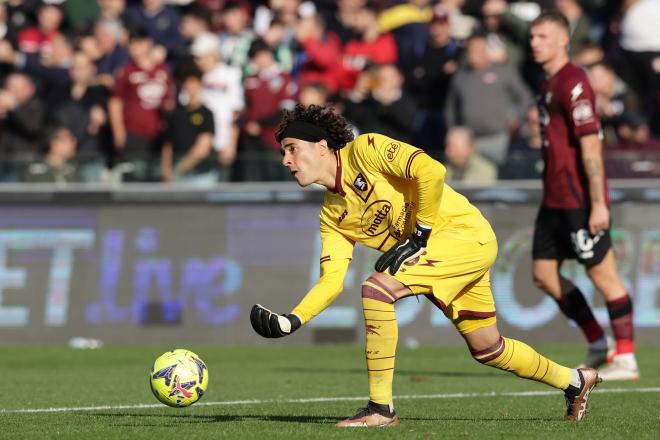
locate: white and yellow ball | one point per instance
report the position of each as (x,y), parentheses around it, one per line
(179,378)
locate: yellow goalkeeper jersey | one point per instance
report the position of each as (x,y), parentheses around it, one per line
(383,187)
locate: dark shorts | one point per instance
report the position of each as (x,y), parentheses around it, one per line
(561,234)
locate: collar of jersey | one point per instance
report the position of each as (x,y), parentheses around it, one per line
(339,188)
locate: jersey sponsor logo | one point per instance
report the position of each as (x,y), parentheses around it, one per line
(360,182)
(582,112)
(375,219)
(391,151)
(576,91)
(370,141)
(151,94)
(584,242)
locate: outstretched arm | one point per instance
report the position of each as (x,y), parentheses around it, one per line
(335,258)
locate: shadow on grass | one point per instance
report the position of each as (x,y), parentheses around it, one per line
(177,419)
(164,420)
(487,373)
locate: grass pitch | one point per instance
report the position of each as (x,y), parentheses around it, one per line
(280,391)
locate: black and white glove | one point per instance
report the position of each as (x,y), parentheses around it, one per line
(272,325)
(410,248)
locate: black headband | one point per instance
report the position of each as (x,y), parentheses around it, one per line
(307,132)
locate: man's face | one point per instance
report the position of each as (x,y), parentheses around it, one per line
(140,48)
(82,69)
(458,148)
(388,77)
(477,53)
(302,159)
(547,40)
(20,86)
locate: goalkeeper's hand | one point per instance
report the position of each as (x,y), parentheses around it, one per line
(410,248)
(272,325)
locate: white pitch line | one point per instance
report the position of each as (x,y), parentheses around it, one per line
(320,400)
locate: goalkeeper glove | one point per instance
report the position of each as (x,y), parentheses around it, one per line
(272,325)
(412,247)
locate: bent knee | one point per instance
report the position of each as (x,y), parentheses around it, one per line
(545,281)
(490,353)
(372,289)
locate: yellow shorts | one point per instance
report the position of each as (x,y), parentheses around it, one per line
(454,274)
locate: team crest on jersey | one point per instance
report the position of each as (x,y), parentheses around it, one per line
(360,182)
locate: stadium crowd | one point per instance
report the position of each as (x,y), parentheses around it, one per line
(192,90)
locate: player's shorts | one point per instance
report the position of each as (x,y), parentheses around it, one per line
(561,234)
(455,275)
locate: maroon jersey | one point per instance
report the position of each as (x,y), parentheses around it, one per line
(567,112)
(266,94)
(144,94)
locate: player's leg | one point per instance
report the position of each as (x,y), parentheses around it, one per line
(379,292)
(488,347)
(574,306)
(605,277)
(550,246)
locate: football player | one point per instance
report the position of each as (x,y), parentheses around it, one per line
(574,219)
(391,196)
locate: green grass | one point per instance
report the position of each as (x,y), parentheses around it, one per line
(49,376)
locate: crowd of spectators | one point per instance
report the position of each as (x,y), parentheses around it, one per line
(192,90)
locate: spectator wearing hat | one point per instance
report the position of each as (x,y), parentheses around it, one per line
(222,93)
(267,92)
(143,92)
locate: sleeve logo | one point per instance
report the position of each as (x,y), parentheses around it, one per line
(576,92)
(582,112)
(391,151)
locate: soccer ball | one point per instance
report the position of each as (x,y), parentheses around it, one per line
(179,378)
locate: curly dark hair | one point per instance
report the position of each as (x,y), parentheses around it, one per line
(324,117)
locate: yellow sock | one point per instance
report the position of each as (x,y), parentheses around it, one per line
(382,335)
(523,361)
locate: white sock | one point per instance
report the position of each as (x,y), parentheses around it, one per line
(627,359)
(575,378)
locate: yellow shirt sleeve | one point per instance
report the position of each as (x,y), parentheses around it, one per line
(398,159)
(336,254)
(401,15)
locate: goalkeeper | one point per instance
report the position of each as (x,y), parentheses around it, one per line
(391,196)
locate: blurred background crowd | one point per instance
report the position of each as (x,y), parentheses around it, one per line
(192,90)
